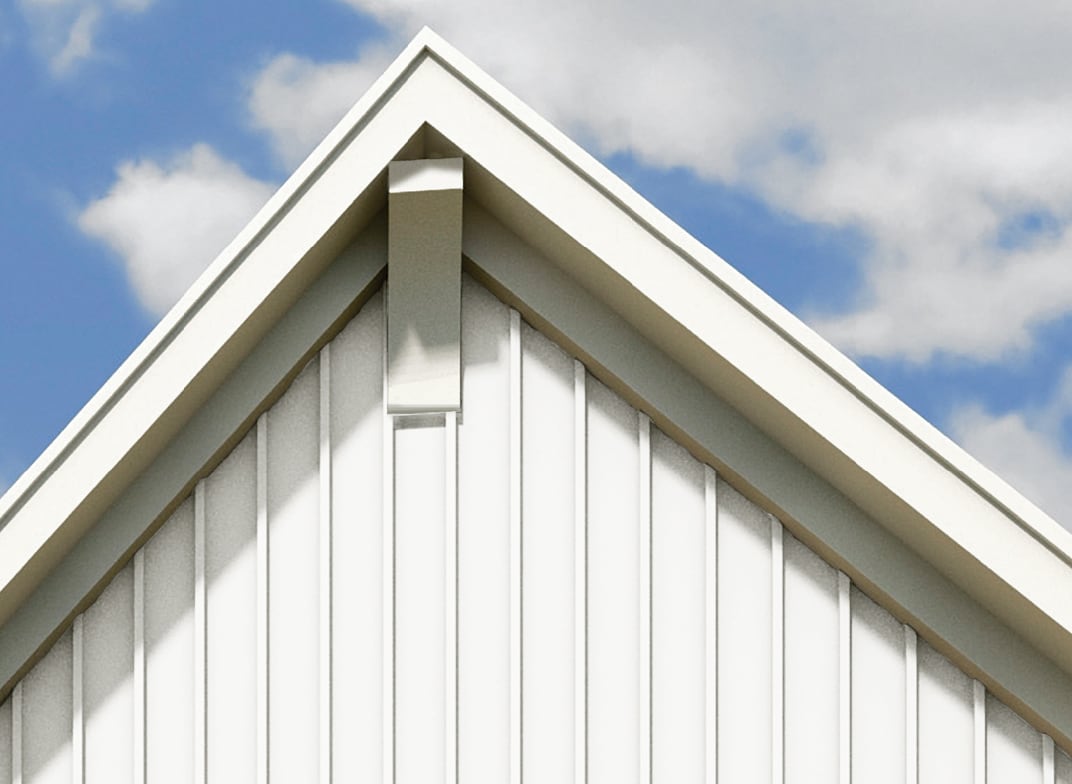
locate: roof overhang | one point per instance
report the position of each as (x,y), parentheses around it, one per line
(645,273)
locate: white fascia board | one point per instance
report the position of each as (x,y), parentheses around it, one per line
(840,413)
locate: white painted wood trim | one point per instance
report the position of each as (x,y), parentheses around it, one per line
(16,734)
(711,624)
(263,705)
(326,568)
(580,573)
(979,731)
(139,667)
(516,544)
(911,654)
(1049,766)
(777,652)
(450,599)
(200,640)
(388,576)
(844,679)
(78,724)
(644,610)
(424,264)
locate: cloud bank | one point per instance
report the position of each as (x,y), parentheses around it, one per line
(168,221)
(941,131)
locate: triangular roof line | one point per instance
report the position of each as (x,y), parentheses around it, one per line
(999,548)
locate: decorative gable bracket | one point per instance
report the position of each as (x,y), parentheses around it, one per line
(424,267)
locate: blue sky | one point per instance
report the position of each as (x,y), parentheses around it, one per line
(898,178)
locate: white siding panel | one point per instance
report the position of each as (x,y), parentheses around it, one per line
(357,497)
(1013,747)
(1064,768)
(548,542)
(484,541)
(878,694)
(811,667)
(677,577)
(46,717)
(108,683)
(945,720)
(5,742)
(614,600)
(169,644)
(744,639)
(419,606)
(293,581)
(231,577)
(582,611)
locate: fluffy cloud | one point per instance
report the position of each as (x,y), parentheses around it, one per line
(323,91)
(939,130)
(167,222)
(65,31)
(1025,448)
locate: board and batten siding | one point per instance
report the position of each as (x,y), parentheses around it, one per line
(563,594)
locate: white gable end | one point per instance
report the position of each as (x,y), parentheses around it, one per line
(665,518)
(671,629)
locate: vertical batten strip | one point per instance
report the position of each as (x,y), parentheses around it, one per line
(326,567)
(450,600)
(1049,768)
(262,599)
(777,652)
(16,734)
(580,573)
(979,714)
(388,576)
(78,725)
(644,610)
(139,667)
(844,679)
(911,706)
(515,549)
(711,624)
(200,639)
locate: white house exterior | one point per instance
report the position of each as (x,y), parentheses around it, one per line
(463,464)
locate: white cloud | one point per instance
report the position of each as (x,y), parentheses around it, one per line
(65,31)
(321,93)
(167,222)
(931,127)
(1025,448)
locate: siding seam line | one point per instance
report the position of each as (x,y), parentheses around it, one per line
(645,609)
(516,716)
(388,573)
(263,705)
(200,639)
(326,568)
(139,667)
(844,679)
(911,706)
(777,651)
(16,734)
(450,599)
(979,724)
(711,622)
(78,725)
(580,574)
